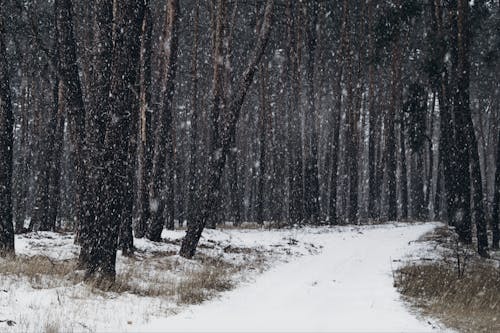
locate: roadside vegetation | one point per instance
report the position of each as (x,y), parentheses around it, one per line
(455,285)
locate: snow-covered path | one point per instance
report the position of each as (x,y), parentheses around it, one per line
(347,287)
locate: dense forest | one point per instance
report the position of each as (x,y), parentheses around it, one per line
(121,118)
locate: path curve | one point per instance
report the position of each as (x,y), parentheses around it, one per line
(346,288)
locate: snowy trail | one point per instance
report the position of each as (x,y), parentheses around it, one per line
(348,287)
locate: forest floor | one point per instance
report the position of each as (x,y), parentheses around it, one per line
(451,282)
(300,279)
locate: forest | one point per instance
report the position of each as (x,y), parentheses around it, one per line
(122,118)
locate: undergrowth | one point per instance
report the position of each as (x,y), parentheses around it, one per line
(464,295)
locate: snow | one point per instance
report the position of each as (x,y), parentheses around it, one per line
(348,288)
(320,279)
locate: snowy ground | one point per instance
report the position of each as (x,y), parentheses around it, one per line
(321,279)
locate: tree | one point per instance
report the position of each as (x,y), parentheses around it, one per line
(295,163)
(464,124)
(163,147)
(224,130)
(6,149)
(496,202)
(124,68)
(145,149)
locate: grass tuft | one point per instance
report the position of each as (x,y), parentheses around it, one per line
(469,302)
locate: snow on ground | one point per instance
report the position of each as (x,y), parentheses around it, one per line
(321,279)
(347,287)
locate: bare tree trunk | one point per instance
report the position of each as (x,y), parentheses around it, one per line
(372,162)
(391,132)
(21,184)
(224,135)
(496,202)
(404,173)
(296,204)
(335,144)
(262,144)
(124,68)
(163,147)
(73,100)
(56,157)
(96,120)
(194,171)
(463,113)
(6,148)
(145,150)
(311,188)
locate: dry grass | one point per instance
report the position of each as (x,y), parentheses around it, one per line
(192,286)
(201,285)
(40,271)
(469,302)
(188,282)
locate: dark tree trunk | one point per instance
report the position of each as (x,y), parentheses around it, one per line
(23,165)
(50,138)
(461,213)
(417,187)
(56,157)
(96,120)
(372,161)
(404,174)
(262,145)
(6,148)
(465,125)
(311,181)
(163,146)
(496,202)
(296,205)
(145,149)
(73,100)
(124,69)
(335,144)
(224,135)
(391,134)
(194,166)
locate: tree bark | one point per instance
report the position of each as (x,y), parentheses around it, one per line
(145,149)
(311,180)
(225,131)
(295,176)
(73,100)
(97,117)
(6,149)
(391,133)
(496,202)
(124,68)
(163,147)
(464,117)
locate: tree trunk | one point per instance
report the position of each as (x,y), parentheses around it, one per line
(372,161)
(464,117)
(194,165)
(335,144)
(262,145)
(73,100)
(97,117)
(404,174)
(461,109)
(163,147)
(496,202)
(56,157)
(391,134)
(224,135)
(6,148)
(145,131)
(124,69)
(295,176)
(311,187)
